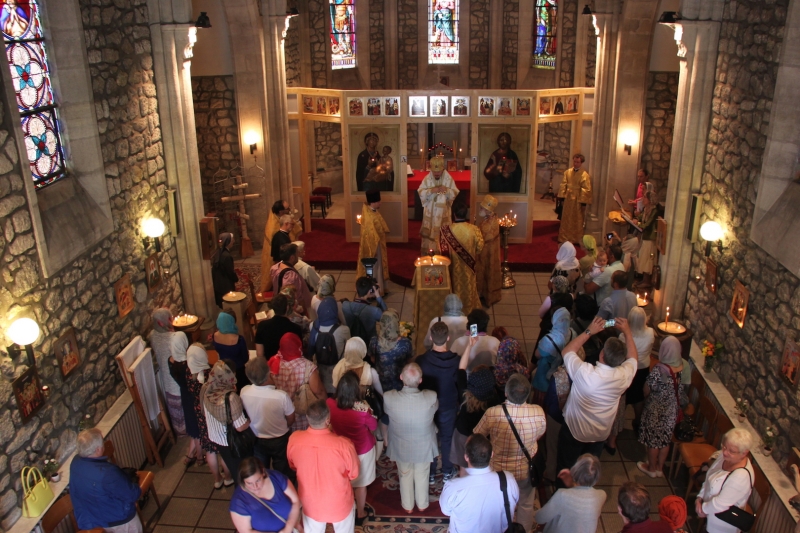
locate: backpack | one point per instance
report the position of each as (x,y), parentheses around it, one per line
(357,328)
(303,396)
(324,347)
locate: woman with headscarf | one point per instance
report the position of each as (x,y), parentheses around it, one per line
(230,345)
(327,287)
(327,322)
(353,360)
(477,393)
(549,355)
(168,343)
(389,351)
(223,275)
(662,409)
(219,389)
(295,312)
(292,370)
(560,297)
(197,374)
(510,360)
(672,510)
(179,371)
(567,265)
(454,318)
(589,245)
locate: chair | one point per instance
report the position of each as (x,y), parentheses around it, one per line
(696,389)
(695,454)
(318,201)
(324,191)
(705,416)
(59,511)
(762,487)
(146,477)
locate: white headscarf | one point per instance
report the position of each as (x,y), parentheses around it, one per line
(197,359)
(566,257)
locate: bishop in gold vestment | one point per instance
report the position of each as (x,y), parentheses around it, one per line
(489,268)
(436,192)
(463,243)
(373,240)
(576,193)
(281,207)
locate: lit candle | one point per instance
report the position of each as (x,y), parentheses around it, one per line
(667,321)
(645,297)
(358,219)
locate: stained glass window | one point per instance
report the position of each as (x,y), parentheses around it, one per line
(442,31)
(343,34)
(544,37)
(30,74)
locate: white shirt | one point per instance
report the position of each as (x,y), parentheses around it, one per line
(475,502)
(308,273)
(267,408)
(644,345)
(456,324)
(593,400)
(483,353)
(716,498)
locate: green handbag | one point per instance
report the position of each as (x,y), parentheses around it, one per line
(38,493)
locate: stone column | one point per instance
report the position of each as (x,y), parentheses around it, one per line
(390,42)
(697,48)
(172,53)
(581,47)
(495,44)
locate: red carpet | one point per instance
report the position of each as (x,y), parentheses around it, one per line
(327,249)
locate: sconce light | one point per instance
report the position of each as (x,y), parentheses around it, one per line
(252,138)
(628,139)
(24,332)
(586,10)
(669,17)
(153,228)
(293,12)
(711,231)
(203,21)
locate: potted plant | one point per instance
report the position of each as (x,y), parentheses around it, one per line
(51,470)
(742,406)
(710,351)
(768,439)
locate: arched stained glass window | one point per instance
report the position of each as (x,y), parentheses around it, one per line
(30,74)
(343,34)
(442,31)
(544,37)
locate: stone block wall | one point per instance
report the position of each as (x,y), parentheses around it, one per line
(216,123)
(412,144)
(81,295)
(508,78)
(317,13)
(328,145)
(377,46)
(291,50)
(568,11)
(591,56)
(659,119)
(556,141)
(407,44)
(479,44)
(747,65)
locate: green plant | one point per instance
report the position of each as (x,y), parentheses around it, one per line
(768,437)
(742,405)
(51,467)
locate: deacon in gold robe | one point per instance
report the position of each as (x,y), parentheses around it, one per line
(489,270)
(373,240)
(279,208)
(436,192)
(462,242)
(576,193)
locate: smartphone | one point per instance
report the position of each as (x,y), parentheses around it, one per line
(473,330)
(610,323)
(609,236)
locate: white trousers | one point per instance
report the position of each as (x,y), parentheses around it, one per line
(413,484)
(348,525)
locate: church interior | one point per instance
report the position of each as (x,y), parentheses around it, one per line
(134,132)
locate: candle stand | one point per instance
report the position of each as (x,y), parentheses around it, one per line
(506,223)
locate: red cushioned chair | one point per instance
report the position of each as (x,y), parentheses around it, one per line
(324,191)
(318,201)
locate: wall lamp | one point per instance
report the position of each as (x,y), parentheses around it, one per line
(153,228)
(711,231)
(24,332)
(628,139)
(252,138)
(203,21)
(586,10)
(669,17)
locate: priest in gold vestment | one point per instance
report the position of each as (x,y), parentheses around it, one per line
(576,193)
(436,192)
(462,242)
(373,240)
(489,268)
(279,208)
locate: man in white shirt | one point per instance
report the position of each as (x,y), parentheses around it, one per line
(593,400)
(271,415)
(601,286)
(484,352)
(307,272)
(475,502)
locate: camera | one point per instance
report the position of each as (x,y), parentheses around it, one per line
(609,236)
(610,323)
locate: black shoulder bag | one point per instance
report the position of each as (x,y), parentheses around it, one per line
(734,515)
(533,471)
(241,443)
(513,527)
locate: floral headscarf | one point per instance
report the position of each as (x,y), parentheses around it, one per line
(560,285)
(388,330)
(508,357)
(327,286)
(221,381)
(290,291)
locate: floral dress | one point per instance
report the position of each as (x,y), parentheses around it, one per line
(194,387)
(390,364)
(660,412)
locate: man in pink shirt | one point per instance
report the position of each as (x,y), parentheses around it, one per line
(325,465)
(291,276)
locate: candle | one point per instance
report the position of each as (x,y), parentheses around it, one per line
(358,219)
(667,321)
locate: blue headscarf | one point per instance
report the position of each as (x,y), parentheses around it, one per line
(328,312)
(226,324)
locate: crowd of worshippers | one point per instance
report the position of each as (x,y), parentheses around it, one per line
(334,386)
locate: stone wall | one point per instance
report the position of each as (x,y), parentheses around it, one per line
(747,65)
(317,13)
(556,141)
(217,135)
(508,77)
(81,295)
(412,144)
(568,10)
(328,145)
(659,119)
(479,44)
(291,50)
(377,46)
(591,56)
(407,44)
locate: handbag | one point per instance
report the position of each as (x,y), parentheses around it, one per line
(734,515)
(512,526)
(241,443)
(304,396)
(533,470)
(685,430)
(559,210)
(37,493)
(375,402)
(262,502)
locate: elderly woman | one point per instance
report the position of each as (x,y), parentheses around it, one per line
(351,417)
(588,245)
(305,270)
(218,393)
(353,360)
(548,353)
(389,351)
(327,286)
(264,500)
(567,265)
(454,318)
(230,345)
(577,508)
(662,406)
(510,361)
(168,343)
(327,322)
(292,370)
(729,481)
(223,275)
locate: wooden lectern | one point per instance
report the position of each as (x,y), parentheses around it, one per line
(432,280)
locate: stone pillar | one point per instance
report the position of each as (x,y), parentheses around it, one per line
(390,42)
(495,43)
(581,47)
(172,53)
(697,48)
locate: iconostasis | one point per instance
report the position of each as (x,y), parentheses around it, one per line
(503,150)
